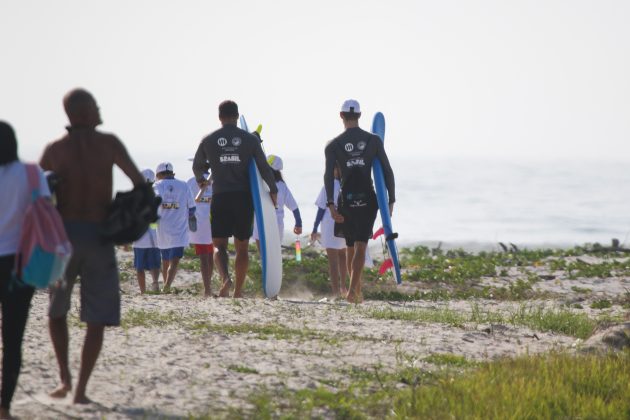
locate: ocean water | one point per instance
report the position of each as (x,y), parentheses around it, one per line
(476,203)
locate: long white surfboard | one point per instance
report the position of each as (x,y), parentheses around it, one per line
(268,233)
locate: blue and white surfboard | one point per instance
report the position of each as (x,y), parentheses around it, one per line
(378,128)
(268,233)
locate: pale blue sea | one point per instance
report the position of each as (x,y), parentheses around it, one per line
(475,203)
(478,202)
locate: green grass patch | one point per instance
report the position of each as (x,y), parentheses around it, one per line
(198,323)
(601,304)
(577,289)
(243,369)
(605,269)
(150,319)
(533,387)
(449,359)
(265,331)
(545,387)
(561,320)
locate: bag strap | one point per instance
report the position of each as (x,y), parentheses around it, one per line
(32,175)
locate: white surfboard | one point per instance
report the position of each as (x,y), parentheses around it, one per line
(268,233)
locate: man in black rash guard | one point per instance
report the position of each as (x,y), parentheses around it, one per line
(227,152)
(354,151)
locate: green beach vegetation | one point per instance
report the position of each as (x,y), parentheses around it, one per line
(557,385)
(538,318)
(436,275)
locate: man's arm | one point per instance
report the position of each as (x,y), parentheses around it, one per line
(388,173)
(124,162)
(329,182)
(200,164)
(329,178)
(264,168)
(45,161)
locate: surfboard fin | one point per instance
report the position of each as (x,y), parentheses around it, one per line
(387,264)
(378,233)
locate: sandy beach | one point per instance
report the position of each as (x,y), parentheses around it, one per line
(180,355)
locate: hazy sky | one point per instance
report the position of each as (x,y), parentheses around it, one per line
(519,79)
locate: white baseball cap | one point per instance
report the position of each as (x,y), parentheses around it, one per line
(148,175)
(351,105)
(275,162)
(164,167)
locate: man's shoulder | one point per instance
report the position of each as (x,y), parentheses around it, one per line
(228,131)
(103,136)
(55,144)
(331,143)
(213,134)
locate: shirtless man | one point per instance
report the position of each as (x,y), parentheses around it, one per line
(227,152)
(354,150)
(83,159)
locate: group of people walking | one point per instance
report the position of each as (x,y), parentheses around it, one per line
(205,211)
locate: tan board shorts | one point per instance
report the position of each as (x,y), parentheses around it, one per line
(94,262)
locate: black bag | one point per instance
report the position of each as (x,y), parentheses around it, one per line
(130,215)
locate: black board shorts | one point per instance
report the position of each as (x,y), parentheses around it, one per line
(359,213)
(232,214)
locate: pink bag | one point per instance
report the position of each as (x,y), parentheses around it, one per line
(44,249)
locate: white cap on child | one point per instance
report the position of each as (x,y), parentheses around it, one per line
(148,175)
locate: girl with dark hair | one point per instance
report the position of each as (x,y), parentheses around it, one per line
(15,298)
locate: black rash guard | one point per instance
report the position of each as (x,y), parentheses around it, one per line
(227,152)
(356,149)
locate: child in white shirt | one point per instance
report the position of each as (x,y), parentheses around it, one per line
(335,247)
(202,237)
(284,199)
(177,213)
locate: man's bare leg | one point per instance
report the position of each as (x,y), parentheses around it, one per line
(155,275)
(58,328)
(141,280)
(172,270)
(164,271)
(343,271)
(349,257)
(333,270)
(358,261)
(241,264)
(91,350)
(205,261)
(222,265)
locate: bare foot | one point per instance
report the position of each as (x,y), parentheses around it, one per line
(81,399)
(352,298)
(61,391)
(5,414)
(225,289)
